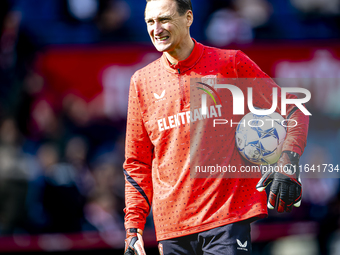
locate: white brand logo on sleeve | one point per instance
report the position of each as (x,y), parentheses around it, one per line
(159,97)
(242,246)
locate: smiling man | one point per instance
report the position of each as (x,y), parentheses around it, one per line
(194,215)
(168,25)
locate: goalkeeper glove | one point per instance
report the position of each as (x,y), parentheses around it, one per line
(286,189)
(134,244)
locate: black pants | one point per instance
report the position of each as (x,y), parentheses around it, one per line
(230,239)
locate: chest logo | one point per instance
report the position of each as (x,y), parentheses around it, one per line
(159,97)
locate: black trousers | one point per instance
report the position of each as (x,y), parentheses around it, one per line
(230,239)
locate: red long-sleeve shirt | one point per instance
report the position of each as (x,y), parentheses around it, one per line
(159,137)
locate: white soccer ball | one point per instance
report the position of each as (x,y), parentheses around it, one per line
(259,138)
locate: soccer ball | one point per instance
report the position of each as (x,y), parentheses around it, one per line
(259,138)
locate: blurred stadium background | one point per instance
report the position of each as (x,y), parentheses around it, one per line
(65,67)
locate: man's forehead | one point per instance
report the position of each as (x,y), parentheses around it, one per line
(160,8)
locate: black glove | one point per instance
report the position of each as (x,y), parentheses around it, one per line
(134,244)
(286,189)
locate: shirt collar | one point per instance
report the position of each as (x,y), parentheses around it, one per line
(188,63)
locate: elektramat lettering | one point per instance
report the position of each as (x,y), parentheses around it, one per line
(183,118)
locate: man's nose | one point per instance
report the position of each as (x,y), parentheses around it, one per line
(158,28)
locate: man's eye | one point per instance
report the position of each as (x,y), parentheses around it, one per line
(149,22)
(164,20)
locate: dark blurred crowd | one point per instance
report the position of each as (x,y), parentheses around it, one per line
(61,170)
(217,21)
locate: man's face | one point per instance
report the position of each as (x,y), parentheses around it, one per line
(166,28)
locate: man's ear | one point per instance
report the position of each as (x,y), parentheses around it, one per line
(190,17)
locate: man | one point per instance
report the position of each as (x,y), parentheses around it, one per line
(194,215)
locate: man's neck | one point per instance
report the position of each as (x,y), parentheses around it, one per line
(180,54)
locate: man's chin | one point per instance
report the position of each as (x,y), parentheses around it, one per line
(162,48)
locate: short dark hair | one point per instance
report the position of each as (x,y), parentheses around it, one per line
(182,6)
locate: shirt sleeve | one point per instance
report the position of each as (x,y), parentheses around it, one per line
(296,137)
(137,165)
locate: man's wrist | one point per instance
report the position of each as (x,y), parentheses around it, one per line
(288,164)
(288,157)
(132,231)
